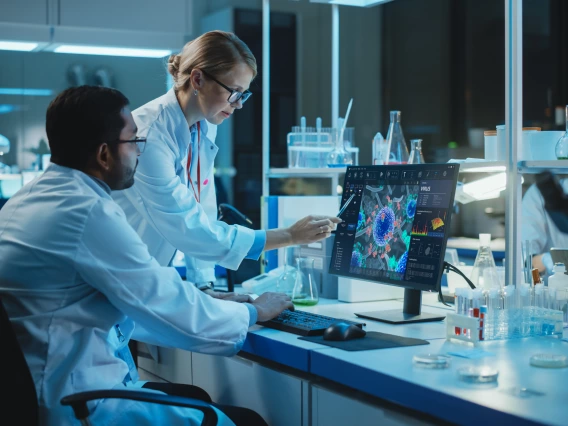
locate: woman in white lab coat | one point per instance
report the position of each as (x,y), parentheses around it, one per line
(172,204)
(540,230)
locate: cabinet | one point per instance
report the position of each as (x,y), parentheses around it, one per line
(280,398)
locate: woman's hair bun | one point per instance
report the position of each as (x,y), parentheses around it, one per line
(173,65)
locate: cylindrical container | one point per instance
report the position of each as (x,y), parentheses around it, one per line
(524,151)
(490,145)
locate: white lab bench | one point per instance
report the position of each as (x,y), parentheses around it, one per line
(294,382)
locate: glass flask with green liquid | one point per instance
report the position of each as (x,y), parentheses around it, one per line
(562,144)
(305,292)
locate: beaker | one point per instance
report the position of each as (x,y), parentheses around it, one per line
(305,290)
(339,156)
(286,280)
(416,156)
(561,148)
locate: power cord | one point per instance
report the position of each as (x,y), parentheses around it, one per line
(449,267)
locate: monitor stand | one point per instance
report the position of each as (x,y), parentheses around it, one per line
(411,311)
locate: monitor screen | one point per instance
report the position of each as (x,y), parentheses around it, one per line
(395,228)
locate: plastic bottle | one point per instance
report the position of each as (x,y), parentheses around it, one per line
(484,273)
(395,138)
(559,279)
(380,150)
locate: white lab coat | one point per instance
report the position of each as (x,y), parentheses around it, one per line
(161,207)
(537,227)
(72,268)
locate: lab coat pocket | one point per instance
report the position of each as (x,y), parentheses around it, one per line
(96,378)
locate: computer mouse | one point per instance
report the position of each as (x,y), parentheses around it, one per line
(340,331)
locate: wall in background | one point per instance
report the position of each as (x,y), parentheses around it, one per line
(23,119)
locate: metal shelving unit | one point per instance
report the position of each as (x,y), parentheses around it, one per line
(554,166)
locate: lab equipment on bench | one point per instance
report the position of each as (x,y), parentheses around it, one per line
(304,323)
(264,282)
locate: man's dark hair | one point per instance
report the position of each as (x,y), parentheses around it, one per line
(79,120)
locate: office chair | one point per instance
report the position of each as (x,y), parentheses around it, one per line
(21,388)
(231,216)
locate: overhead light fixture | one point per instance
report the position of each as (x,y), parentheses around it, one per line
(8,108)
(20,46)
(25,92)
(111,51)
(482,189)
(358,3)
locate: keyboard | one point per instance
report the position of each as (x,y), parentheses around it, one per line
(304,323)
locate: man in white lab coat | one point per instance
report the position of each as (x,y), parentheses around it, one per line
(78,283)
(540,230)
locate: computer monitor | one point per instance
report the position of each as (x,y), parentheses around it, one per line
(394,231)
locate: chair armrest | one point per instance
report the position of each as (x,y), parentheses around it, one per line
(78,401)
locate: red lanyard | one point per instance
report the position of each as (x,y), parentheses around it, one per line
(198,192)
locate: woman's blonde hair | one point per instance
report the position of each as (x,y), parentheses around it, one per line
(215,52)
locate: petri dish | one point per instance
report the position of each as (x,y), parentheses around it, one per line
(549,360)
(431,361)
(478,374)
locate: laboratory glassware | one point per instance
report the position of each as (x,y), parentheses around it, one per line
(416,156)
(305,290)
(286,280)
(398,149)
(381,150)
(561,148)
(484,273)
(339,156)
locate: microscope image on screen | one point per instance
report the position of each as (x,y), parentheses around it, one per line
(384,227)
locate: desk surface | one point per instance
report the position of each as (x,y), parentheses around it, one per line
(287,349)
(391,375)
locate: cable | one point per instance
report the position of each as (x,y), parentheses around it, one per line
(449,267)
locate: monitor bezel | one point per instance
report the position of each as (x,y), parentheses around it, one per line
(403,283)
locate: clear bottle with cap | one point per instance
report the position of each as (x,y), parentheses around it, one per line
(416,156)
(559,279)
(484,273)
(395,138)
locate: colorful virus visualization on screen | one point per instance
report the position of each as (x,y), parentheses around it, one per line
(356,258)
(401,265)
(411,208)
(384,226)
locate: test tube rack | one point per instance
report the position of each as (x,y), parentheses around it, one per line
(504,324)
(309,149)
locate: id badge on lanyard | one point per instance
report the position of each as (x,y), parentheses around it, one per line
(124,354)
(189,180)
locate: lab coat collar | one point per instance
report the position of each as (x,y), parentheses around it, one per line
(207,149)
(100,185)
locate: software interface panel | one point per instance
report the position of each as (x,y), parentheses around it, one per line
(395,228)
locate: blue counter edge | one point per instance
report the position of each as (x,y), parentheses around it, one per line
(411,395)
(276,351)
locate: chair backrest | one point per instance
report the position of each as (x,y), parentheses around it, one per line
(18,385)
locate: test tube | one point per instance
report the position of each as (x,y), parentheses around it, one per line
(476,301)
(482,321)
(494,300)
(552,298)
(525,299)
(538,296)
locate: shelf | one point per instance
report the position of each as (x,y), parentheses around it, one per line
(481,166)
(554,166)
(306,172)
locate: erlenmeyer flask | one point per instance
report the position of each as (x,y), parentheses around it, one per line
(484,273)
(561,148)
(416,156)
(395,138)
(305,290)
(339,156)
(286,280)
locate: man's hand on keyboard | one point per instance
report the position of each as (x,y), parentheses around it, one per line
(269,305)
